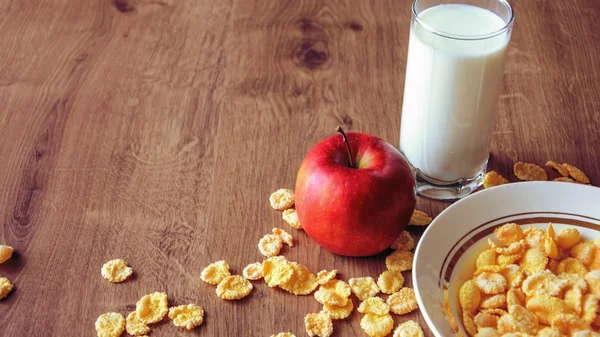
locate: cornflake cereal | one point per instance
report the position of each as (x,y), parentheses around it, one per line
(493,301)
(509,233)
(187,316)
(5,253)
(339,312)
(534,260)
(419,218)
(302,281)
(282,199)
(568,238)
(253,271)
(363,287)
(284,334)
(493,178)
(152,308)
(409,329)
(285,236)
(558,167)
(564,179)
(277,270)
(318,324)
(390,282)
(529,172)
(399,260)
(486,258)
(469,296)
(325,276)
(375,306)
(215,272)
(291,217)
(135,326)
(334,292)
(518,320)
(116,270)
(403,302)
(491,283)
(403,242)
(111,324)
(576,173)
(376,325)
(234,287)
(270,245)
(5,287)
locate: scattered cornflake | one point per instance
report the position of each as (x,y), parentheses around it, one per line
(558,167)
(577,174)
(404,241)
(469,296)
(234,287)
(135,326)
(5,287)
(285,236)
(5,253)
(493,178)
(390,281)
(291,217)
(363,287)
(215,272)
(152,308)
(318,324)
(282,199)
(339,312)
(334,292)
(116,270)
(419,218)
(409,329)
(403,302)
(376,325)
(529,172)
(253,271)
(284,334)
(568,238)
(399,260)
(564,179)
(375,306)
(509,233)
(187,316)
(302,281)
(491,283)
(277,270)
(325,276)
(270,245)
(111,324)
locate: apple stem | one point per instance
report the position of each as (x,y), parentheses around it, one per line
(340,130)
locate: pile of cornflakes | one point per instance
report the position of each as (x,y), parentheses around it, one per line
(532,282)
(532,172)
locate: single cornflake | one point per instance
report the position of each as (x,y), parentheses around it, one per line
(469,323)
(549,332)
(334,292)
(546,308)
(234,287)
(284,334)
(515,296)
(291,217)
(325,276)
(486,258)
(152,308)
(533,261)
(403,242)
(485,320)
(390,281)
(564,179)
(590,307)
(403,302)
(187,316)
(491,283)
(584,251)
(376,325)
(419,218)
(339,311)
(135,326)
(592,278)
(363,287)
(504,260)
(116,270)
(534,237)
(543,283)
(571,266)
(270,245)
(253,271)
(282,199)
(399,260)
(318,324)
(277,270)
(509,233)
(574,298)
(111,324)
(302,281)
(493,178)
(215,272)
(577,174)
(518,320)
(568,238)
(5,253)
(493,301)
(285,236)
(529,172)
(375,306)
(490,332)
(513,275)
(409,329)
(5,287)
(469,296)
(569,323)
(558,167)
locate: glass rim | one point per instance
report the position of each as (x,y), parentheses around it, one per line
(438,32)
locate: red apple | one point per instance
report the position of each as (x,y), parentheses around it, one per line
(354,194)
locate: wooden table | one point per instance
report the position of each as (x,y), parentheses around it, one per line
(155,130)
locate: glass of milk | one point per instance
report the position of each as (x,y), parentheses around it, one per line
(456,54)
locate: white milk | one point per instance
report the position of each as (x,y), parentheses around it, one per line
(451,91)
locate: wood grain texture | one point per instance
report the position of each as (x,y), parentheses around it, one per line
(155,130)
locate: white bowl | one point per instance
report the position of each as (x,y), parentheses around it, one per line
(446,253)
